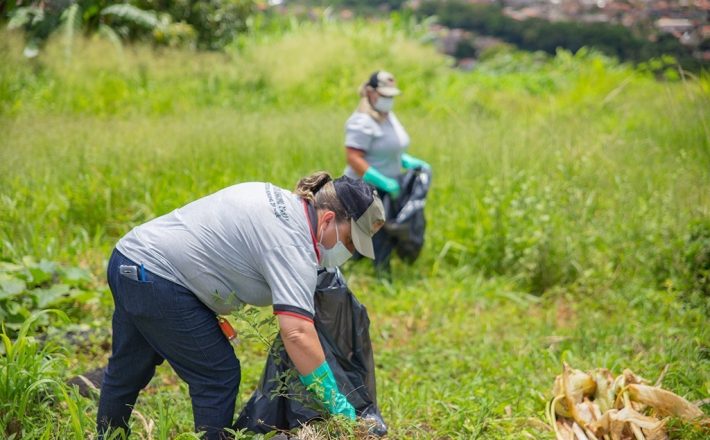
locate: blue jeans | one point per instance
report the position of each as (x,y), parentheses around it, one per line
(156,320)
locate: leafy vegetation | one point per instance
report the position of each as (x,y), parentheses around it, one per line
(208,24)
(567,219)
(30,286)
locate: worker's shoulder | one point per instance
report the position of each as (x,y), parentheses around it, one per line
(363,122)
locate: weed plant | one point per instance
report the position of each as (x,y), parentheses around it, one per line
(34,401)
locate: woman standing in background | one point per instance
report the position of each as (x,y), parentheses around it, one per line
(375,144)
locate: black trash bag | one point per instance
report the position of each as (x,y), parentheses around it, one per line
(407,227)
(342,323)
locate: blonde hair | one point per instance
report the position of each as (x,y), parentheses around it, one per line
(318,188)
(364,105)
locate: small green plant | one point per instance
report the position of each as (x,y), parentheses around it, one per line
(256,325)
(30,378)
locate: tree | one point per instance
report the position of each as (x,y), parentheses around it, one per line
(212,23)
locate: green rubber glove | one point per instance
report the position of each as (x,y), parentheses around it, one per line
(321,382)
(410,162)
(386,184)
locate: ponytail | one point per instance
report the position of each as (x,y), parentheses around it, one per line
(318,188)
(308,186)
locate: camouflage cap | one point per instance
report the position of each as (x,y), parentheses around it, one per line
(384,83)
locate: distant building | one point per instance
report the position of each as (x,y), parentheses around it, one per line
(674,25)
(686,20)
(466,64)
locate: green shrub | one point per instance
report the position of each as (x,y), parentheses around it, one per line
(512,229)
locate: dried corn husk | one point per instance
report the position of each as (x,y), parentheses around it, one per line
(604,395)
(657,433)
(585,412)
(597,406)
(665,402)
(630,415)
(578,432)
(617,423)
(573,385)
(608,425)
(630,377)
(564,431)
(596,411)
(618,388)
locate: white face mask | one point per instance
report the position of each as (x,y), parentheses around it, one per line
(336,255)
(384,104)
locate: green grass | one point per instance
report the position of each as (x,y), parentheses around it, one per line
(560,223)
(35,402)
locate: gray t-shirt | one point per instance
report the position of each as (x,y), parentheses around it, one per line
(248,243)
(383,142)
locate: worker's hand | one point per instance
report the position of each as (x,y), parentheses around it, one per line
(321,382)
(342,407)
(386,184)
(391,187)
(411,162)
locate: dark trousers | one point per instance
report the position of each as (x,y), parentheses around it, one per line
(156,320)
(382,242)
(383,245)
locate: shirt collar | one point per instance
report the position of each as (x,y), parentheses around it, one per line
(312,218)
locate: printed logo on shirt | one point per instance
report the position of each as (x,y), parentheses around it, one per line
(276,200)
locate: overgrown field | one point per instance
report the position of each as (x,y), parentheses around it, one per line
(569,218)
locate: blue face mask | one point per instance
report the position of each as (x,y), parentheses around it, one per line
(335,256)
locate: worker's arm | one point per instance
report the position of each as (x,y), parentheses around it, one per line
(303,347)
(301,342)
(356,160)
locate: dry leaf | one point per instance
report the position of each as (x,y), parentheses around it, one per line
(597,406)
(583,414)
(564,431)
(658,433)
(630,415)
(608,425)
(604,395)
(630,377)
(578,432)
(665,402)
(574,385)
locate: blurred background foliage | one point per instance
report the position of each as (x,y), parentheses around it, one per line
(214,24)
(538,34)
(208,24)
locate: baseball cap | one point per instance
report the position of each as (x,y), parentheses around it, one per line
(384,83)
(365,209)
